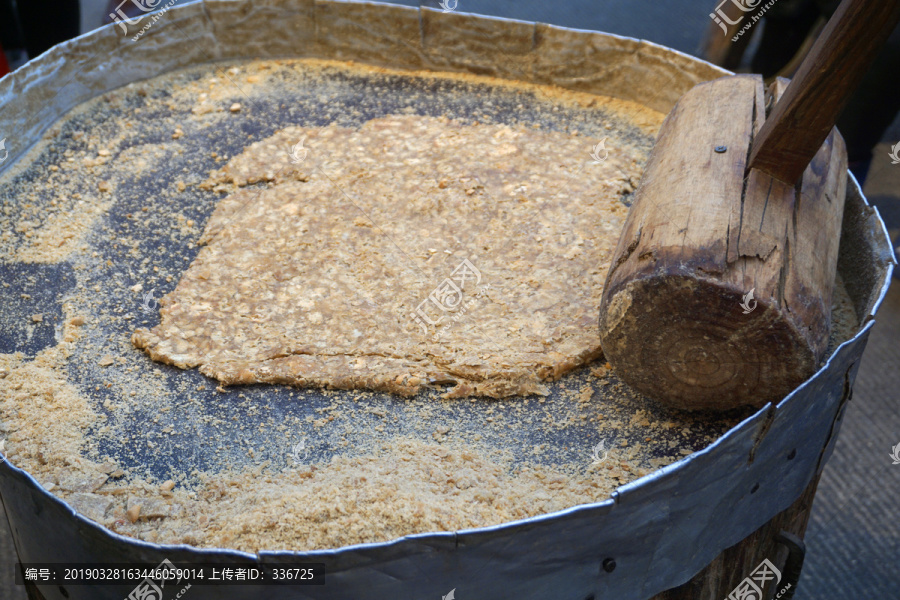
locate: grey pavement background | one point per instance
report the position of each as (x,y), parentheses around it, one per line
(853,541)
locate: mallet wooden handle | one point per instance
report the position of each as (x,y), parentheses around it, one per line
(719,292)
(803,118)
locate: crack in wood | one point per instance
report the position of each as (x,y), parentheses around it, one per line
(761,433)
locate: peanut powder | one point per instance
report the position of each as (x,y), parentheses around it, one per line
(142,190)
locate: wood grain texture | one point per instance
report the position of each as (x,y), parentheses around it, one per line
(839,59)
(700,237)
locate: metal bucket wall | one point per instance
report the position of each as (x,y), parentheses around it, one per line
(661,529)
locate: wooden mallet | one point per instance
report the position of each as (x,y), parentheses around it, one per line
(719,292)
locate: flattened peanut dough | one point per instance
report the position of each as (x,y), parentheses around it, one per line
(323,276)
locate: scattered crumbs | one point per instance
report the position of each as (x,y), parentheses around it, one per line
(133,512)
(356,468)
